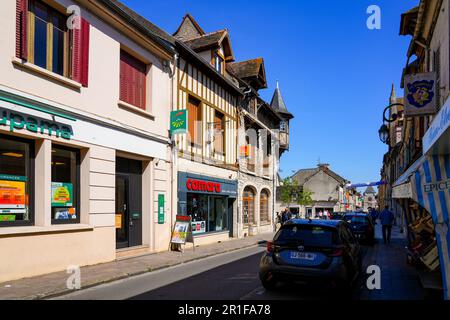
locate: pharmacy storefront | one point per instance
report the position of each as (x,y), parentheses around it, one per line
(59,200)
(209,201)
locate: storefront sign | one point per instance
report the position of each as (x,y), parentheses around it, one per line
(160,208)
(402,191)
(440,124)
(17,121)
(178,122)
(437,186)
(12,194)
(195,183)
(200,185)
(420,94)
(62,194)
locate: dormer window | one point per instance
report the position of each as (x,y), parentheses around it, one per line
(218,62)
(283,126)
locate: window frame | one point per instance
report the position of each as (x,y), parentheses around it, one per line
(221,116)
(31,180)
(194,140)
(137,64)
(78,191)
(68,50)
(266,200)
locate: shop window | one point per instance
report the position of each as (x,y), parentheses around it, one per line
(65,185)
(248,200)
(133,74)
(209,213)
(264,206)
(16,181)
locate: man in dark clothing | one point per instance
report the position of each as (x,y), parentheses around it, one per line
(386,219)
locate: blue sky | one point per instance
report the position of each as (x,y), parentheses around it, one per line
(335,74)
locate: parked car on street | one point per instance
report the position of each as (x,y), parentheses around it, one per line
(362,227)
(311,250)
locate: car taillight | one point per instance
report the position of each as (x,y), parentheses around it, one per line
(337,252)
(270,246)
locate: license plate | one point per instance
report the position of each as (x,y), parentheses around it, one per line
(302,255)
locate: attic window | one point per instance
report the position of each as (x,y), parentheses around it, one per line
(218,62)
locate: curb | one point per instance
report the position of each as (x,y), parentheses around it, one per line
(59,293)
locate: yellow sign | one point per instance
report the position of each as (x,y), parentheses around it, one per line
(12,194)
(118,221)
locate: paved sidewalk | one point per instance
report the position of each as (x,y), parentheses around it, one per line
(55,283)
(399,281)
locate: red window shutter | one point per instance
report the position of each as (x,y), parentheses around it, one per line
(132,80)
(80,53)
(21,29)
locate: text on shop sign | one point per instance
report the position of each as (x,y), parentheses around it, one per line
(200,185)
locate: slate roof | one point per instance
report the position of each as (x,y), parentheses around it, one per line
(206,41)
(246,69)
(140,22)
(278,104)
(303,175)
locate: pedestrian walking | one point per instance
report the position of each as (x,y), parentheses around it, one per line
(387,220)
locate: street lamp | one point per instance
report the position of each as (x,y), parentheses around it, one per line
(383,132)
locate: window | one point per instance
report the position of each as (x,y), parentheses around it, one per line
(283,126)
(308,235)
(264,205)
(133,74)
(194,122)
(43,39)
(248,200)
(219,133)
(65,185)
(16,181)
(48,42)
(218,62)
(209,213)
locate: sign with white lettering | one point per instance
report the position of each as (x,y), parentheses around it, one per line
(440,124)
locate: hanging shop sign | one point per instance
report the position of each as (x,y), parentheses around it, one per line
(438,127)
(17,121)
(62,194)
(160,208)
(178,122)
(420,94)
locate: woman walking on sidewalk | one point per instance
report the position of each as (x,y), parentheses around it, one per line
(387,220)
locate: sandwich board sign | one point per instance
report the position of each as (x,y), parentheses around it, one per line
(182,232)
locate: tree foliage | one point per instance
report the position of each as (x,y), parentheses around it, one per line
(291,193)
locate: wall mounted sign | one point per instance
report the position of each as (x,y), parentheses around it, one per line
(179,121)
(440,124)
(62,194)
(196,183)
(420,94)
(200,185)
(16,121)
(160,208)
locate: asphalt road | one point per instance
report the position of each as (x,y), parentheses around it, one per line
(229,276)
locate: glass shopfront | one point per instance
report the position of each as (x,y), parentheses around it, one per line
(208,201)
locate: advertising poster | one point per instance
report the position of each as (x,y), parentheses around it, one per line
(198,227)
(65,213)
(180,231)
(62,194)
(12,194)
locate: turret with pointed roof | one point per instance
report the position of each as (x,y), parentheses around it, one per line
(278,104)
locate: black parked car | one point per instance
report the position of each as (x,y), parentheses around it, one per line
(311,250)
(362,227)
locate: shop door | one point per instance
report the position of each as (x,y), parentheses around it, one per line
(128,203)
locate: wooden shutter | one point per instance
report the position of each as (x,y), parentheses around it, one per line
(21,29)
(192,118)
(80,53)
(132,80)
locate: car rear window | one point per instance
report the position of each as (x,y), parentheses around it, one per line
(357,220)
(307,235)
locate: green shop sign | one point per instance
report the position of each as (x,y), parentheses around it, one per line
(160,208)
(178,122)
(17,121)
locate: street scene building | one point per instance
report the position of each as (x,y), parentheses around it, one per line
(145,150)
